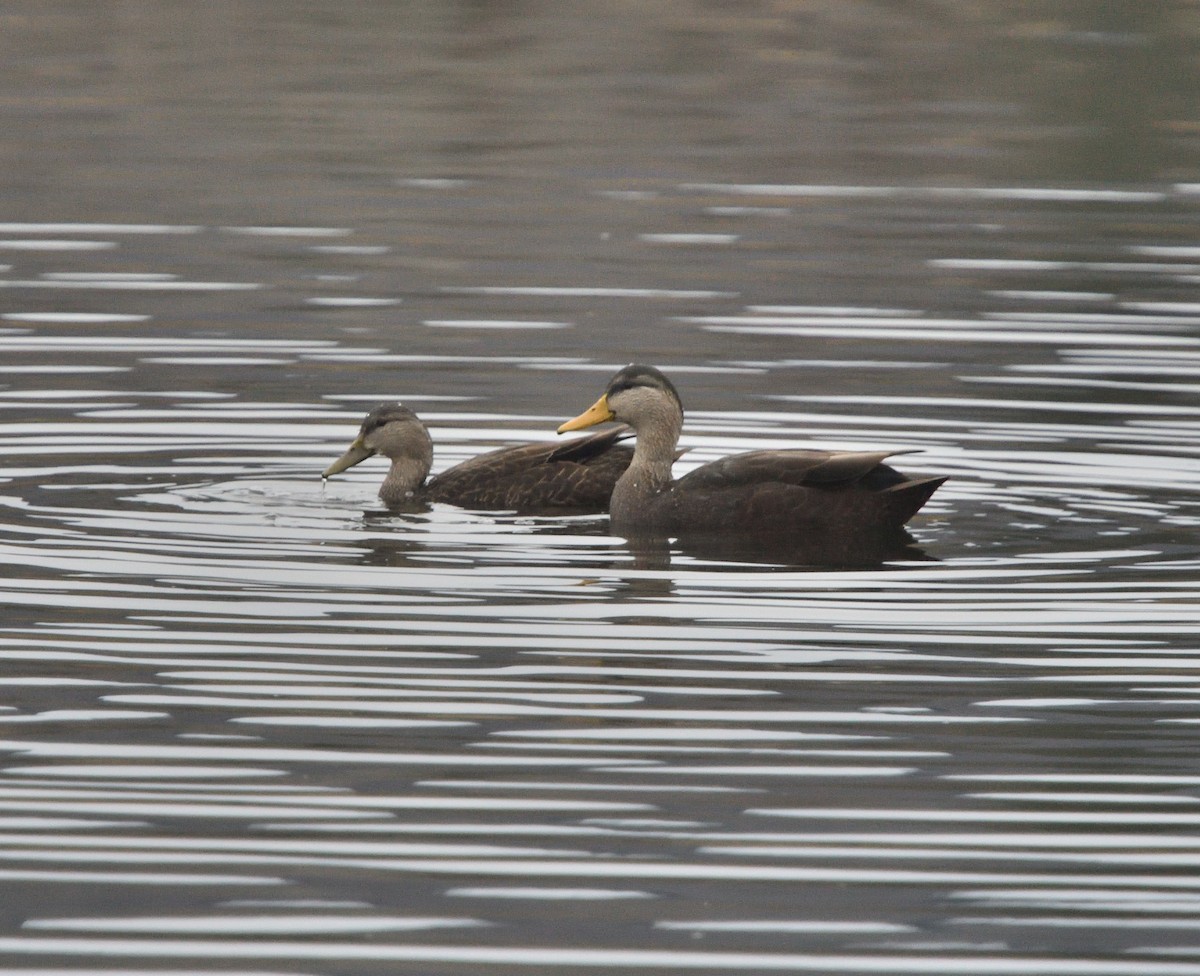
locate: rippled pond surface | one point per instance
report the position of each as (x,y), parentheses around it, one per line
(253,723)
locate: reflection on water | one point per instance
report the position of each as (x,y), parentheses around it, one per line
(861,549)
(252,723)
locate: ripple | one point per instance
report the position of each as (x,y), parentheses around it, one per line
(223,678)
(547,894)
(93,228)
(589,958)
(47,244)
(247,924)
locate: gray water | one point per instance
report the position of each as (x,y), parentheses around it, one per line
(251,723)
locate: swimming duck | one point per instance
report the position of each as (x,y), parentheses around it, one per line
(797,493)
(578,475)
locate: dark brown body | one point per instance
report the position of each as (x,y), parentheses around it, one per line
(795,493)
(578,475)
(798,495)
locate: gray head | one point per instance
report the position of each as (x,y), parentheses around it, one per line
(643,398)
(640,381)
(394,431)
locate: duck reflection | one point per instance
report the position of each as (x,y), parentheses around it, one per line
(863,550)
(417,532)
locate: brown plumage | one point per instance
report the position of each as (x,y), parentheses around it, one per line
(577,476)
(801,494)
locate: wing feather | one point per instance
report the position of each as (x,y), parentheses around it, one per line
(579,474)
(800,468)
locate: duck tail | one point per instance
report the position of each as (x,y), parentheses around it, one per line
(908,497)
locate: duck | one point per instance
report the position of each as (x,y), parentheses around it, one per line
(771,495)
(578,475)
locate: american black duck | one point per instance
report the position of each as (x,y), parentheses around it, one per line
(770,494)
(578,475)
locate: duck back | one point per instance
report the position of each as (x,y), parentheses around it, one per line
(791,493)
(577,476)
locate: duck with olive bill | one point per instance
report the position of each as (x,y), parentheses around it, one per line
(577,476)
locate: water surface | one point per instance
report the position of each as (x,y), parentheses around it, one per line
(254,723)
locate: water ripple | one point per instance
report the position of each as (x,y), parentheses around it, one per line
(275,716)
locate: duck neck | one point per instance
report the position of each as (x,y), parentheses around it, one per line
(406,476)
(408,446)
(649,473)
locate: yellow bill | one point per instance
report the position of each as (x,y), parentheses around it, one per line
(597,413)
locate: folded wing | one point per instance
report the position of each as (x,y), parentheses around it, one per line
(579,474)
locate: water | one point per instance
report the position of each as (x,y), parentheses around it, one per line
(251,723)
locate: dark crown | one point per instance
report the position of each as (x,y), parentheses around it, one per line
(635,375)
(386,413)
